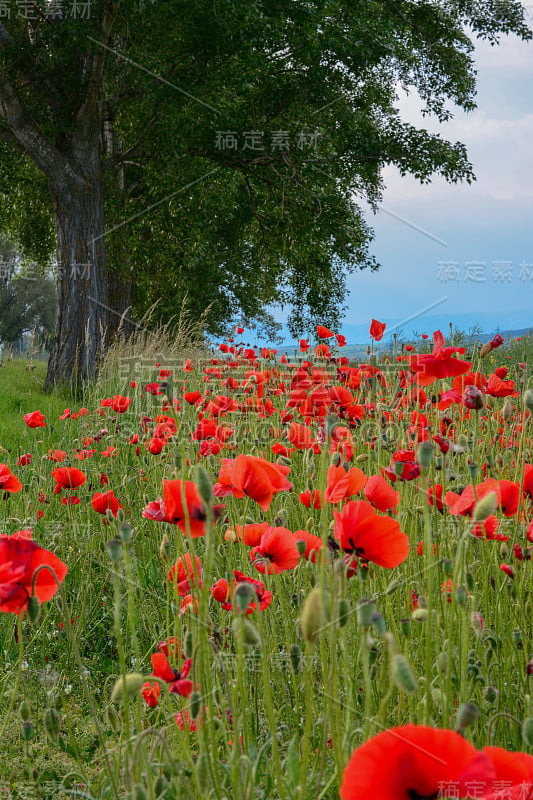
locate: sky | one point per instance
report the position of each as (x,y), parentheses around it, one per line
(475,246)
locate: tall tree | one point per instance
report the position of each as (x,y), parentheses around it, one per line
(221,148)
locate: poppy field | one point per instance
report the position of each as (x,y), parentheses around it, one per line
(241,573)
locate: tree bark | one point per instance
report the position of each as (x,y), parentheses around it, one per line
(82,283)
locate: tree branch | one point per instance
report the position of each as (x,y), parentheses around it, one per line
(23,128)
(119,158)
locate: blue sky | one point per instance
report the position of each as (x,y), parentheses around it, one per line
(489,222)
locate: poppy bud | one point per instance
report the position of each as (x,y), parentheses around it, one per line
(528,399)
(361,458)
(420,614)
(203,484)
(296,658)
(485,507)
(402,674)
(165,548)
(424,454)
(25,711)
(27,731)
(195,703)
(188,644)
(51,721)
(286,462)
(138,792)
(490,694)
(466,715)
(472,469)
(460,595)
(507,409)
(447,566)
(405,626)
(34,609)
(473,398)
(250,633)
(365,610)
(485,350)
(125,531)
(113,718)
(344,612)
(202,773)
(114,549)
(527,731)
(330,423)
(282,518)
(336,459)
(244,595)
(161,786)
(301,546)
(393,585)
(378,623)
(109,515)
(133,683)
(313,615)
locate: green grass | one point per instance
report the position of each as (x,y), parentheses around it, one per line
(21,391)
(297,725)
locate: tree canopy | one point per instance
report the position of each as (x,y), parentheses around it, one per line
(227,145)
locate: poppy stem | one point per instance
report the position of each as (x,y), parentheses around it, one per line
(14,693)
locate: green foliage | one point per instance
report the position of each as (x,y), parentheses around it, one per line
(241,229)
(27,298)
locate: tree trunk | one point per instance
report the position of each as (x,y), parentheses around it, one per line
(120,322)
(82,281)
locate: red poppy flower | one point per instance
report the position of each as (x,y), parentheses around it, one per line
(104,501)
(223,592)
(509,496)
(311,499)
(253,477)
(192,397)
(381,494)
(300,436)
(276,551)
(373,538)
(377,329)
(35,420)
(19,560)
(8,482)
(68,478)
(176,678)
(323,333)
(409,468)
(23,460)
(440,363)
(304,345)
(176,511)
(498,388)
(464,503)
(342,484)
(251,534)
(419,760)
(183,572)
(434,496)
(155,510)
(151,693)
(313,544)
(527,486)
(120,404)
